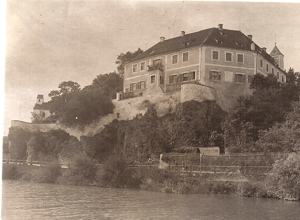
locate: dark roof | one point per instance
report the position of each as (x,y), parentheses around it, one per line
(44,106)
(209,37)
(276,51)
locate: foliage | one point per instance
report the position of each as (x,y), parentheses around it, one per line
(283,180)
(102,145)
(195,123)
(283,137)
(73,106)
(110,83)
(267,106)
(46,146)
(84,167)
(86,106)
(125,57)
(47,174)
(118,174)
(10,172)
(18,138)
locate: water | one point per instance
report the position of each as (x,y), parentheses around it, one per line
(24,200)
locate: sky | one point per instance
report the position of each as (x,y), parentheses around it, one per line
(51,41)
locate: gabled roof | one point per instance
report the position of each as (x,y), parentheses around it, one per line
(276,51)
(44,106)
(209,37)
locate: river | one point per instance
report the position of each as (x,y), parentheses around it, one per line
(24,200)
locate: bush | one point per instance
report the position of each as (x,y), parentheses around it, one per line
(10,172)
(46,174)
(84,167)
(283,181)
(118,174)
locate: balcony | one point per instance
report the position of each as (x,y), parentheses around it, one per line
(157,66)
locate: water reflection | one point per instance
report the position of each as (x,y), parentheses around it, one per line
(23,200)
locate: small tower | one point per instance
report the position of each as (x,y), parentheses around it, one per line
(278,56)
(39,99)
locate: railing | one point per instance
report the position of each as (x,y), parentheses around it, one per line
(157,66)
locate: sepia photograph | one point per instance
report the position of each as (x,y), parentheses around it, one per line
(139,110)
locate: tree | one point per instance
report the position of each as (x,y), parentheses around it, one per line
(283,181)
(268,105)
(18,138)
(282,137)
(195,122)
(125,57)
(110,83)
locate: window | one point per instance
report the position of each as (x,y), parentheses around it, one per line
(277,75)
(272,70)
(240,78)
(188,76)
(143,64)
(152,78)
(214,75)
(134,67)
(215,55)
(185,56)
(282,79)
(132,87)
(228,76)
(143,85)
(250,78)
(228,56)
(172,79)
(174,59)
(138,85)
(156,62)
(267,66)
(261,63)
(240,58)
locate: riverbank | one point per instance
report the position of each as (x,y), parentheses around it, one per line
(146,179)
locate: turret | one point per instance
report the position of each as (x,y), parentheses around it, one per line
(278,56)
(39,99)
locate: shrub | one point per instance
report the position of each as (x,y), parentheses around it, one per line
(46,174)
(118,174)
(283,181)
(84,167)
(10,172)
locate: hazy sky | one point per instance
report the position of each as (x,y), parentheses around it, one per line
(51,41)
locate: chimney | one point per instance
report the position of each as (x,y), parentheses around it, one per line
(249,36)
(162,39)
(182,33)
(220,26)
(264,49)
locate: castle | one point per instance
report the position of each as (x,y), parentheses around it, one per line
(214,63)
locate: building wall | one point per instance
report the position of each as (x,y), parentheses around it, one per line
(41,111)
(262,69)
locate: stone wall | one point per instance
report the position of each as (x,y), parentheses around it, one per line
(34,127)
(197,92)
